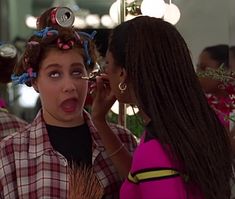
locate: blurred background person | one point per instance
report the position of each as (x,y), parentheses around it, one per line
(62,137)
(213,57)
(232,58)
(9,123)
(215,66)
(216,89)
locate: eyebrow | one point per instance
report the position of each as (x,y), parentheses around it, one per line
(52,66)
(77,64)
(59,66)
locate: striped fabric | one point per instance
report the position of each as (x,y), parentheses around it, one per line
(153,175)
(30,168)
(9,123)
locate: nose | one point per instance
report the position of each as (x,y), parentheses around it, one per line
(69,85)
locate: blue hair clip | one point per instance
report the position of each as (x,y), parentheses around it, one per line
(90,36)
(86,43)
(25,77)
(48,31)
(93,34)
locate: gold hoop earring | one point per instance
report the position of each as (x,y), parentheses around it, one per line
(122,87)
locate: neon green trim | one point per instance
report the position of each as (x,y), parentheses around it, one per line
(147,175)
(4,110)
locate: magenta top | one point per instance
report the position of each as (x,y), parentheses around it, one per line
(155,176)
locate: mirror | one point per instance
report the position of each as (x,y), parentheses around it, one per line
(202,23)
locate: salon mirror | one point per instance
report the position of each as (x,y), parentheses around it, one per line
(202,23)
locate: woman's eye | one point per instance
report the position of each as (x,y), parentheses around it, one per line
(77,73)
(54,74)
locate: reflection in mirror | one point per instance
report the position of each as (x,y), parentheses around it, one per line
(232,58)
(200,25)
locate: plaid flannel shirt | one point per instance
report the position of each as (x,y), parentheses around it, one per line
(9,123)
(30,168)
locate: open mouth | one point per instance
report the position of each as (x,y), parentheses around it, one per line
(69,105)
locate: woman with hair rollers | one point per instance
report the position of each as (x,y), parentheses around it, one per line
(35,162)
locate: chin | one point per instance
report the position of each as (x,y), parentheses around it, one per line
(127,102)
(127,97)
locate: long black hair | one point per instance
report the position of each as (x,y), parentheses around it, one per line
(159,67)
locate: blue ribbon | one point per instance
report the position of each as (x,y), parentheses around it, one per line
(44,32)
(86,43)
(22,79)
(90,36)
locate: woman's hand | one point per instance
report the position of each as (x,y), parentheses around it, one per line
(103,98)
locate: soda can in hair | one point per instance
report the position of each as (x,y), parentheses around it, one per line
(61,16)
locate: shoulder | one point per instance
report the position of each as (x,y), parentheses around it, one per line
(17,141)
(125,135)
(152,153)
(13,149)
(10,120)
(119,129)
(10,124)
(4,115)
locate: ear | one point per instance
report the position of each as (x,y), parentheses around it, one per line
(123,75)
(34,84)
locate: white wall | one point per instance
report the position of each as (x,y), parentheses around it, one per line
(204,23)
(232,22)
(17,14)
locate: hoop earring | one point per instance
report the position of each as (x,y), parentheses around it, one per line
(122,87)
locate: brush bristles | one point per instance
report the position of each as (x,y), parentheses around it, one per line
(83,183)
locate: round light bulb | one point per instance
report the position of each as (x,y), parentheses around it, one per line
(79,23)
(31,21)
(153,8)
(106,21)
(172,14)
(93,20)
(114,11)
